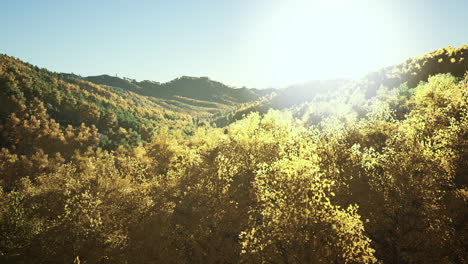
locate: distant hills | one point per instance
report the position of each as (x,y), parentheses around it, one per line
(181,89)
(110,102)
(124,111)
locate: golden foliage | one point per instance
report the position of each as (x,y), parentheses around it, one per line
(379,180)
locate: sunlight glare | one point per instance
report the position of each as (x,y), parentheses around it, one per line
(301,40)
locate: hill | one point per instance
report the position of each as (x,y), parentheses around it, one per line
(117,114)
(203,90)
(112,104)
(410,72)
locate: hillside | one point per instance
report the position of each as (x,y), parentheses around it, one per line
(112,104)
(412,72)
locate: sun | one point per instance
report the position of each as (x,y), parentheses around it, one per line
(299,40)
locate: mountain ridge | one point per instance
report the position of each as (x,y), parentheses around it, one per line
(201,88)
(189,101)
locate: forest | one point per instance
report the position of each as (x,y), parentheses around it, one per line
(105,169)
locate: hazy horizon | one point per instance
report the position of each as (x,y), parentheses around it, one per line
(257,44)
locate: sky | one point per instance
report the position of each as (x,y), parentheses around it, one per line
(252,43)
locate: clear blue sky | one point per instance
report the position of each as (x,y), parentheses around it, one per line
(256,43)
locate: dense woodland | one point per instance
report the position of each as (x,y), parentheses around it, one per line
(111,170)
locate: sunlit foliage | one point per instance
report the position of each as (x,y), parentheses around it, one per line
(340,179)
